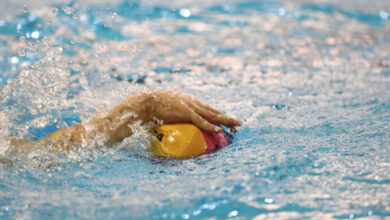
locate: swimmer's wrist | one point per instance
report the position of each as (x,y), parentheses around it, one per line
(142,106)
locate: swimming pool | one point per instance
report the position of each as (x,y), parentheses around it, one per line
(309,78)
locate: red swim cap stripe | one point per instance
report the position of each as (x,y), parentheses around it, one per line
(214,140)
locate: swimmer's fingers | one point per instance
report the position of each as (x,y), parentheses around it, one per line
(203,105)
(224,120)
(233,129)
(203,123)
(216,118)
(214,115)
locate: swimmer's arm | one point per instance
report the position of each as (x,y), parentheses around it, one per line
(111,128)
(146,106)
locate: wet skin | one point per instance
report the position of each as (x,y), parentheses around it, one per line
(146,106)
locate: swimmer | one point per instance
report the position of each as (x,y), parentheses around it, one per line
(146,106)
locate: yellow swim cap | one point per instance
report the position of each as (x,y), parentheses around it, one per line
(179,141)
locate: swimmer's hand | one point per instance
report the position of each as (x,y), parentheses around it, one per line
(145,106)
(175,107)
(169,107)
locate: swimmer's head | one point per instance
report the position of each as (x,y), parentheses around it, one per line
(186,140)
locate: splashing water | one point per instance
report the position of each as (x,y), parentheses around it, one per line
(310,80)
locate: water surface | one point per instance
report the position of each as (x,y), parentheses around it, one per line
(309,78)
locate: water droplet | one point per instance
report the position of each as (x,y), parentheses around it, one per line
(268,200)
(233,214)
(14,60)
(196,212)
(114,14)
(185,12)
(54,11)
(21,52)
(35,34)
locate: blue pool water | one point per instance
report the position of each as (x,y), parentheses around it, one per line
(310,79)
